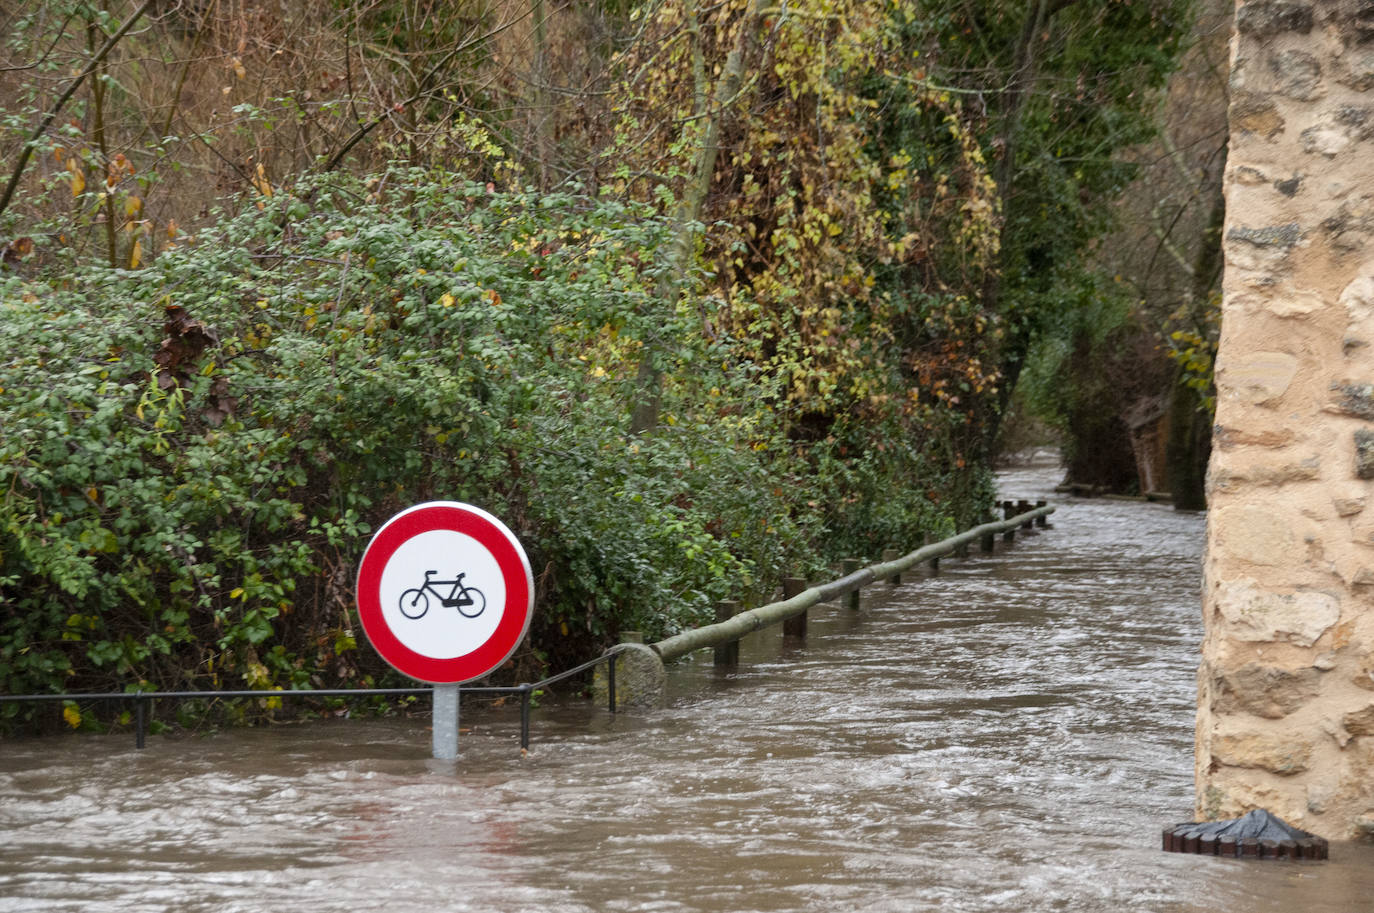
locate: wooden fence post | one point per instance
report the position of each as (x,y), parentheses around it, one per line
(849,566)
(891,554)
(727,654)
(796,625)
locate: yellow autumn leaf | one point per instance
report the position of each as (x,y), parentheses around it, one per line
(78,183)
(133,206)
(72,714)
(236,592)
(447,300)
(136,254)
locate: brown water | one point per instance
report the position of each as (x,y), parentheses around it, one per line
(1010,735)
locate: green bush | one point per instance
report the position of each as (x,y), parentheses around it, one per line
(193,455)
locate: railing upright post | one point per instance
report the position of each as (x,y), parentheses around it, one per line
(610,682)
(891,554)
(934,562)
(1021,508)
(1008,511)
(1042,521)
(526,692)
(727,654)
(140,722)
(849,566)
(796,625)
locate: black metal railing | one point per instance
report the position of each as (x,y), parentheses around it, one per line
(142,699)
(1016,514)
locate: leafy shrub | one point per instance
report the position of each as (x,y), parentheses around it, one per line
(194,454)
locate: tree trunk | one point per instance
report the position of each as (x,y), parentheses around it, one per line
(709,125)
(1190,423)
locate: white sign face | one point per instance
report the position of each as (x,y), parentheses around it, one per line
(442,594)
(445,592)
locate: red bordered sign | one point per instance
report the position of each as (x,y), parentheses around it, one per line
(445,592)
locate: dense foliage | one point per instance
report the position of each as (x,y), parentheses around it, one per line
(194,452)
(700,296)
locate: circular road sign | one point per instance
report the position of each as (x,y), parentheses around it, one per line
(445,592)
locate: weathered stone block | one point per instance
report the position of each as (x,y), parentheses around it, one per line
(1364,453)
(1284,236)
(1355,570)
(1260,119)
(1358,119)
(1364,673)
(1328,140)
(1265,691)
(1259,377)
(1225,437)
(1358,299)
(1362,531)
(1259,615)
(1290,186)
(1360,723)
(1358,70)
(1348,507)
(1318,797)
(1266,18)
(1350,229)
(1263,470)
(1297,75)
(1281,754)
(1355,399)
(1353,19)
(1246,175)
(1358,296)
(1295,303)
(1256,535)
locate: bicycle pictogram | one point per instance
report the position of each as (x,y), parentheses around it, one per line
(468,600)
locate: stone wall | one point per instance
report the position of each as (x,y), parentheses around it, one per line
(1286,684)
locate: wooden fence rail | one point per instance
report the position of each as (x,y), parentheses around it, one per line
(724,632)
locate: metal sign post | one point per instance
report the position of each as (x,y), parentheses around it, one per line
(445,595)
(445,722)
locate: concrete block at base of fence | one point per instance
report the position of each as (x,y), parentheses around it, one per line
(639,678)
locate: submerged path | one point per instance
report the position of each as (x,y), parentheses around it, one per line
(1011,734)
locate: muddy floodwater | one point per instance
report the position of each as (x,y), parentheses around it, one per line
(1011,734)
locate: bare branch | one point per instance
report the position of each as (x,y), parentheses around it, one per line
(424,90)
(75,84)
